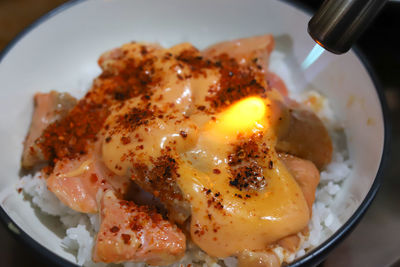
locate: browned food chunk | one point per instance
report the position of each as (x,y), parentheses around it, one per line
(306,137)
(113,62)
(275,82)
(132,233)
(258,259)
(306,175)
(245,50)
(73,185)
(290,243)
(253,52)
(268,258)
(48,107)
(76,182)
(161,181)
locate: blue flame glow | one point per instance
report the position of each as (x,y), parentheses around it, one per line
(314,54)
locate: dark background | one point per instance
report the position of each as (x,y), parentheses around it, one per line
(376,240)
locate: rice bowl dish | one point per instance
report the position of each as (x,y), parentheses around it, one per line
(80,229)
(53,128)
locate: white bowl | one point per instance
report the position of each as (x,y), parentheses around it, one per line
(61,49)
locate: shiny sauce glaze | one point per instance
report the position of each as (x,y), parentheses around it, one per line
(223,204)
(212,120)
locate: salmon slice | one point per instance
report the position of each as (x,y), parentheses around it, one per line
(305,137)
(132,233)
(290,243)
(255,49)
(275,82)
(48,107)
(113,61)
(258,259)
(268,258)
(306,175)
(76,182)
(182,85)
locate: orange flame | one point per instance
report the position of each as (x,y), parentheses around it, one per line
(246,116)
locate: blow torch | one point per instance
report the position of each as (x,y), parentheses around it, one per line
(338,23)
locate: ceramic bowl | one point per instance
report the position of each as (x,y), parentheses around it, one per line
(61,49)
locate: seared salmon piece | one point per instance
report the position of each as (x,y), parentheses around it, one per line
(48,107)
(275,82)
(149,131)
(255,49)
(114,60)
(268,258)
(132,233)
(258,259)
(161,181)
(254,52)
(306,137)
(76,182)
(290,243)
(305,173)
(307,176)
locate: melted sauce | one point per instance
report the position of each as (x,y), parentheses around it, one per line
(256,218)
(259,218)
(187,108)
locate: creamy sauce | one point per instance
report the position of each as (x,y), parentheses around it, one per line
(200,131)
(201,143)
(274,212)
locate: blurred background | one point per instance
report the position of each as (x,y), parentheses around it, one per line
(376,240)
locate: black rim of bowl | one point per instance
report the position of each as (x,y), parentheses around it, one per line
(312,258)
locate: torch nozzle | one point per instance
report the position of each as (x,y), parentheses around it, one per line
(338,23)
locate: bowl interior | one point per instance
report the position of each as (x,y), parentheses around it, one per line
(61,53)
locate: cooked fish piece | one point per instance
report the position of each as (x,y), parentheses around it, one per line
(114,61)
(291,243)
(275,82)
(143,143)
(258,259)
(132,233)
(245,50)
(307,176)
(306,137)
(253,52)
(48,107)
(305,173)
(140,132)
(77,182)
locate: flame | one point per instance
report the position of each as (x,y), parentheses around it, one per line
(314,54)
(246,116)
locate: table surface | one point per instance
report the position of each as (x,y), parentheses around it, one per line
(375,241)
